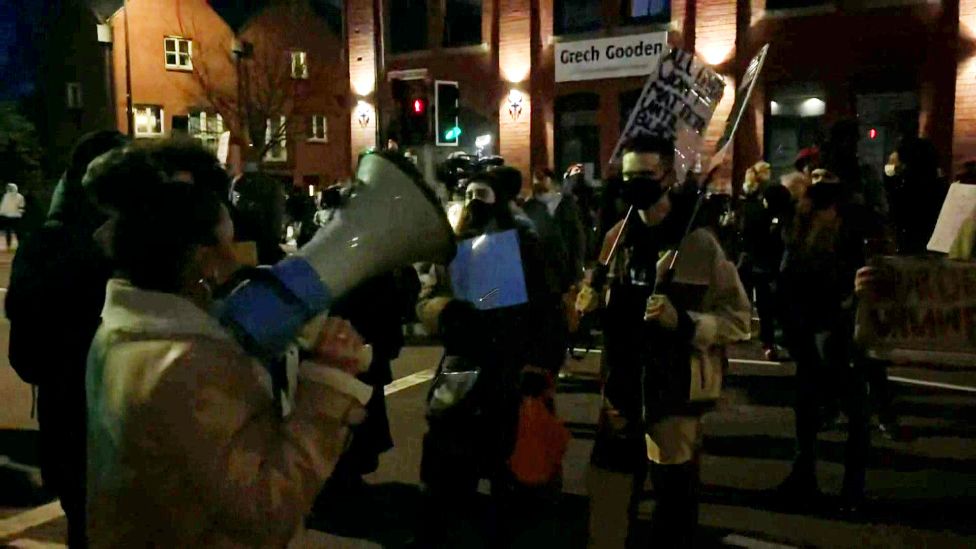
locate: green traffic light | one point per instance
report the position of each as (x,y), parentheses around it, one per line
(452,134)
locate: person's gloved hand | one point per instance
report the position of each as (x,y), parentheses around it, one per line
(659,309)
(587,299)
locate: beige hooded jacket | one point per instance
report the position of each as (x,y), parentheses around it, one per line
(185,445)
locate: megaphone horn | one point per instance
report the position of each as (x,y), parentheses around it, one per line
(391,218)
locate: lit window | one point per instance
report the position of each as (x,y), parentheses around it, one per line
(275,138)
(318,129)
(148,120)
(74,95)
(647,11)
(206,127)
(299,65)
(179,52)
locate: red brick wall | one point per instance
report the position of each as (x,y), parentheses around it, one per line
(715,33)
(964,131)
(361,32)
(515,66)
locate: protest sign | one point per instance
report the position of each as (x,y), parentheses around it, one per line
(677,103)
(959,205)
(742,95)
(924,310)
(487,271)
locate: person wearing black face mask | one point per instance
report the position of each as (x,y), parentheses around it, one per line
(666,322)
(499,343)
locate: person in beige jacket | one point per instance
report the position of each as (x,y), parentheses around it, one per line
(187,447)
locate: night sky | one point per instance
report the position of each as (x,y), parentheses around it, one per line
(16,75)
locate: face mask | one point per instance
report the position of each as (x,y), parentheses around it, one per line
(478,213)
(891,170)
(642,192)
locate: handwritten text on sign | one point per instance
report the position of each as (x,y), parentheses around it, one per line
(677,103)
(925,305)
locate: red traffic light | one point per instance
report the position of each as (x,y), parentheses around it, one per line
(418,106)
(872,133)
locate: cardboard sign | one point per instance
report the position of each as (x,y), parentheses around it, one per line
(487,271)
(926,312)
(617,57)
(959,205)
(677,103)
(742,96)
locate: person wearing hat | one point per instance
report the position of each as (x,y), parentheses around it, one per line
(500,343)
(797,181)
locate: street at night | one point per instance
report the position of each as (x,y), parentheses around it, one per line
(920,490)
(487,274)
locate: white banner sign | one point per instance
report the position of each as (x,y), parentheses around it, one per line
(634,55)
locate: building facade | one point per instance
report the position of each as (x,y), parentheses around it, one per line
(552,82)
(556,79)
(267,85)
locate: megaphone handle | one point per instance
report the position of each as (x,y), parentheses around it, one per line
(268,313)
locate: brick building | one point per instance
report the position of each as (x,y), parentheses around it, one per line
(275,71)
(890,63)
(525,72)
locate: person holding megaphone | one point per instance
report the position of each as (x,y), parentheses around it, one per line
(188,442)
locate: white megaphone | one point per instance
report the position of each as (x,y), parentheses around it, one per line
(390,219)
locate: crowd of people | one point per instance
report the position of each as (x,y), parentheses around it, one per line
(159,429)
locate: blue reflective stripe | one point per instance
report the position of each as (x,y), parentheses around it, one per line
(300,278)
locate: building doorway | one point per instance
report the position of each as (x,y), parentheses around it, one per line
(577,138)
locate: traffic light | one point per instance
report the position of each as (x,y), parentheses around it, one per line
(413,96)
(447,125)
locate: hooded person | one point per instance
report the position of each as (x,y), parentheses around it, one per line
(665,331)
(59,276)
(12,212)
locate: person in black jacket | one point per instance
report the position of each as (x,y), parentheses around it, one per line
(500,343)
(557,219)
(61,269)
(825,248)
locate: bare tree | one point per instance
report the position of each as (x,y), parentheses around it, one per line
(263,76)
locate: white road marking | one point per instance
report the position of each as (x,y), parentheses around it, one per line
(29,519)
(936,384)
(33,544)
(896,379)
(52,511)
(7,463)
(736,540)
(406,382)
